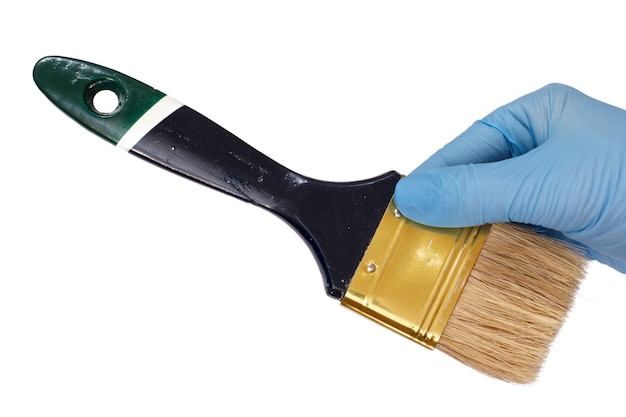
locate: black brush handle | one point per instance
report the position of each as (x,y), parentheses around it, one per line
(337,220)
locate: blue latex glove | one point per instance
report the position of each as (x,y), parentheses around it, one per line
(555,158)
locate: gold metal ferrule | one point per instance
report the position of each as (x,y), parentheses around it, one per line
(411,275)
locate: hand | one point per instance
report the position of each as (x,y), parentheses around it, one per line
(555,158)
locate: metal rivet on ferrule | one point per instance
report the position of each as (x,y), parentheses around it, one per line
(371,267)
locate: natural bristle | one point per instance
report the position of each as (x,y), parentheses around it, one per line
(514,303)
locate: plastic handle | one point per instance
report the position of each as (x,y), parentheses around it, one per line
(337,220)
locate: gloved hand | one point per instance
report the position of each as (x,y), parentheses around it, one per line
(555,158)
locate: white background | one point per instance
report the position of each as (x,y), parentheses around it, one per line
(127,291)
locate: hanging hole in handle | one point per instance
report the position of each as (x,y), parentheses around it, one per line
(104,97)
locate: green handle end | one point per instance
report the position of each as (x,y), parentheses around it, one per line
(72,85)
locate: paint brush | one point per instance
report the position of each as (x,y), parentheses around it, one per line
(493,296)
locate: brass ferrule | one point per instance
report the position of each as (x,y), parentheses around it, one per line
(411,275)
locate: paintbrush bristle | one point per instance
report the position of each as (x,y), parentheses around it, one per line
(514,303)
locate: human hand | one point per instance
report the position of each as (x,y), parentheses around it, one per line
(555,158)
